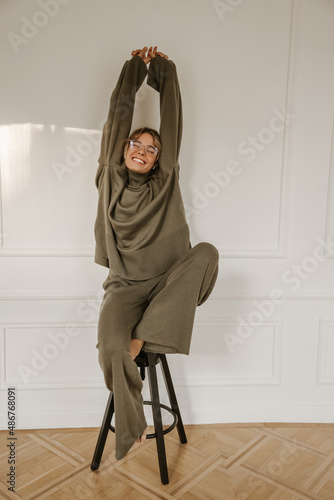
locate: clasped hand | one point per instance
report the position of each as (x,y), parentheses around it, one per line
(147,54)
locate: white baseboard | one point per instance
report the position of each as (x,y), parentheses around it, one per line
(93,418)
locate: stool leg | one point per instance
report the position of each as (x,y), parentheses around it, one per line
(153,382)
(101,441)
(172,397)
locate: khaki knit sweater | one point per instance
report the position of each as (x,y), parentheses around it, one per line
(140,227)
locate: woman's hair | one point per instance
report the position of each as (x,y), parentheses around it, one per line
(135,135)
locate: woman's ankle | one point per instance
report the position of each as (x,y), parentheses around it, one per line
(135,347)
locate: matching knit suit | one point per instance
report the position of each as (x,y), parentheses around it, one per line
(156,278)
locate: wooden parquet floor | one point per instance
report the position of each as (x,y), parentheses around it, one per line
(221,461)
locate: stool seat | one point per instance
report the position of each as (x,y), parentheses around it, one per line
(142,362)
(147,360)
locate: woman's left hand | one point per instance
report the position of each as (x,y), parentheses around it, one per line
(154,53)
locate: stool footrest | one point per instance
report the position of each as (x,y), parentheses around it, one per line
(165,431)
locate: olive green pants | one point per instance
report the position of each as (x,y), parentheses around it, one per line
(159,311)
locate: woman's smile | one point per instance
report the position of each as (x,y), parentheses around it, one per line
(138,160)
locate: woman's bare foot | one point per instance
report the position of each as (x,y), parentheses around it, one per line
(135,347)
(142,438)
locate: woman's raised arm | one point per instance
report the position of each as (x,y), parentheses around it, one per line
(162,76)
(118,124)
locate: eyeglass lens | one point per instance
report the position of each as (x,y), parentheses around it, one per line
(138,145)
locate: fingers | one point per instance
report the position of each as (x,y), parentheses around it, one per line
(142,53)
(161,54)
(151,53)
(155,52)
(139,52)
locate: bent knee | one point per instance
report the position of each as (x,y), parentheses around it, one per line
(207,250)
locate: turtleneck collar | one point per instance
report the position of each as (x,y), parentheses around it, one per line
(136,179)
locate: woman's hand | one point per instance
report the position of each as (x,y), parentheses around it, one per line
(142,53)
(154,53)
(151,53)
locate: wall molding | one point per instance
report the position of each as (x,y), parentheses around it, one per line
(21,251)
(88,417)
(323,375)
(277,355)
(215,295)
(39,323)
(329,216)
(290,106)
(207,322)
(17,251)
(288,134)
(1,212)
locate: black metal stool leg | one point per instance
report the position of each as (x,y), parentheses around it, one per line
(153,382)
(101,441)
(172,397)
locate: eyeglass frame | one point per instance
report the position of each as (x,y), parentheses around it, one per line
(143,145)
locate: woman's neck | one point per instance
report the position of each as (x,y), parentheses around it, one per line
(136,179)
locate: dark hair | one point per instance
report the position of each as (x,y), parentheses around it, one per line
(137,133)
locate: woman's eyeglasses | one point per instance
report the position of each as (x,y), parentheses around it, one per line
(150,150)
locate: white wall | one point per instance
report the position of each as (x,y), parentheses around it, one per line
(241,65)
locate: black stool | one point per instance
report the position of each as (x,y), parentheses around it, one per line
(147,360)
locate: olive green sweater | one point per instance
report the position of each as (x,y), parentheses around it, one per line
(140,227)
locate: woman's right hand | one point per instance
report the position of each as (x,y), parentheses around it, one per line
(153,53)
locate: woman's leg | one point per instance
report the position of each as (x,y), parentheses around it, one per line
(135,347)
(121,309)
(167,323)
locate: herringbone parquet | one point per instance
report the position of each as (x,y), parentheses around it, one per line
(225,462)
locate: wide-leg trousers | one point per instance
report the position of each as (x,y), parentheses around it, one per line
(161,312)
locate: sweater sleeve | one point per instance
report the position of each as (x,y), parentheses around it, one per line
(118,124)
(162,76)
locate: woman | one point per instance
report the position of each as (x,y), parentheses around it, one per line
(156,279)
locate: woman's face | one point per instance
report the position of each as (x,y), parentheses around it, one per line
(139,160)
